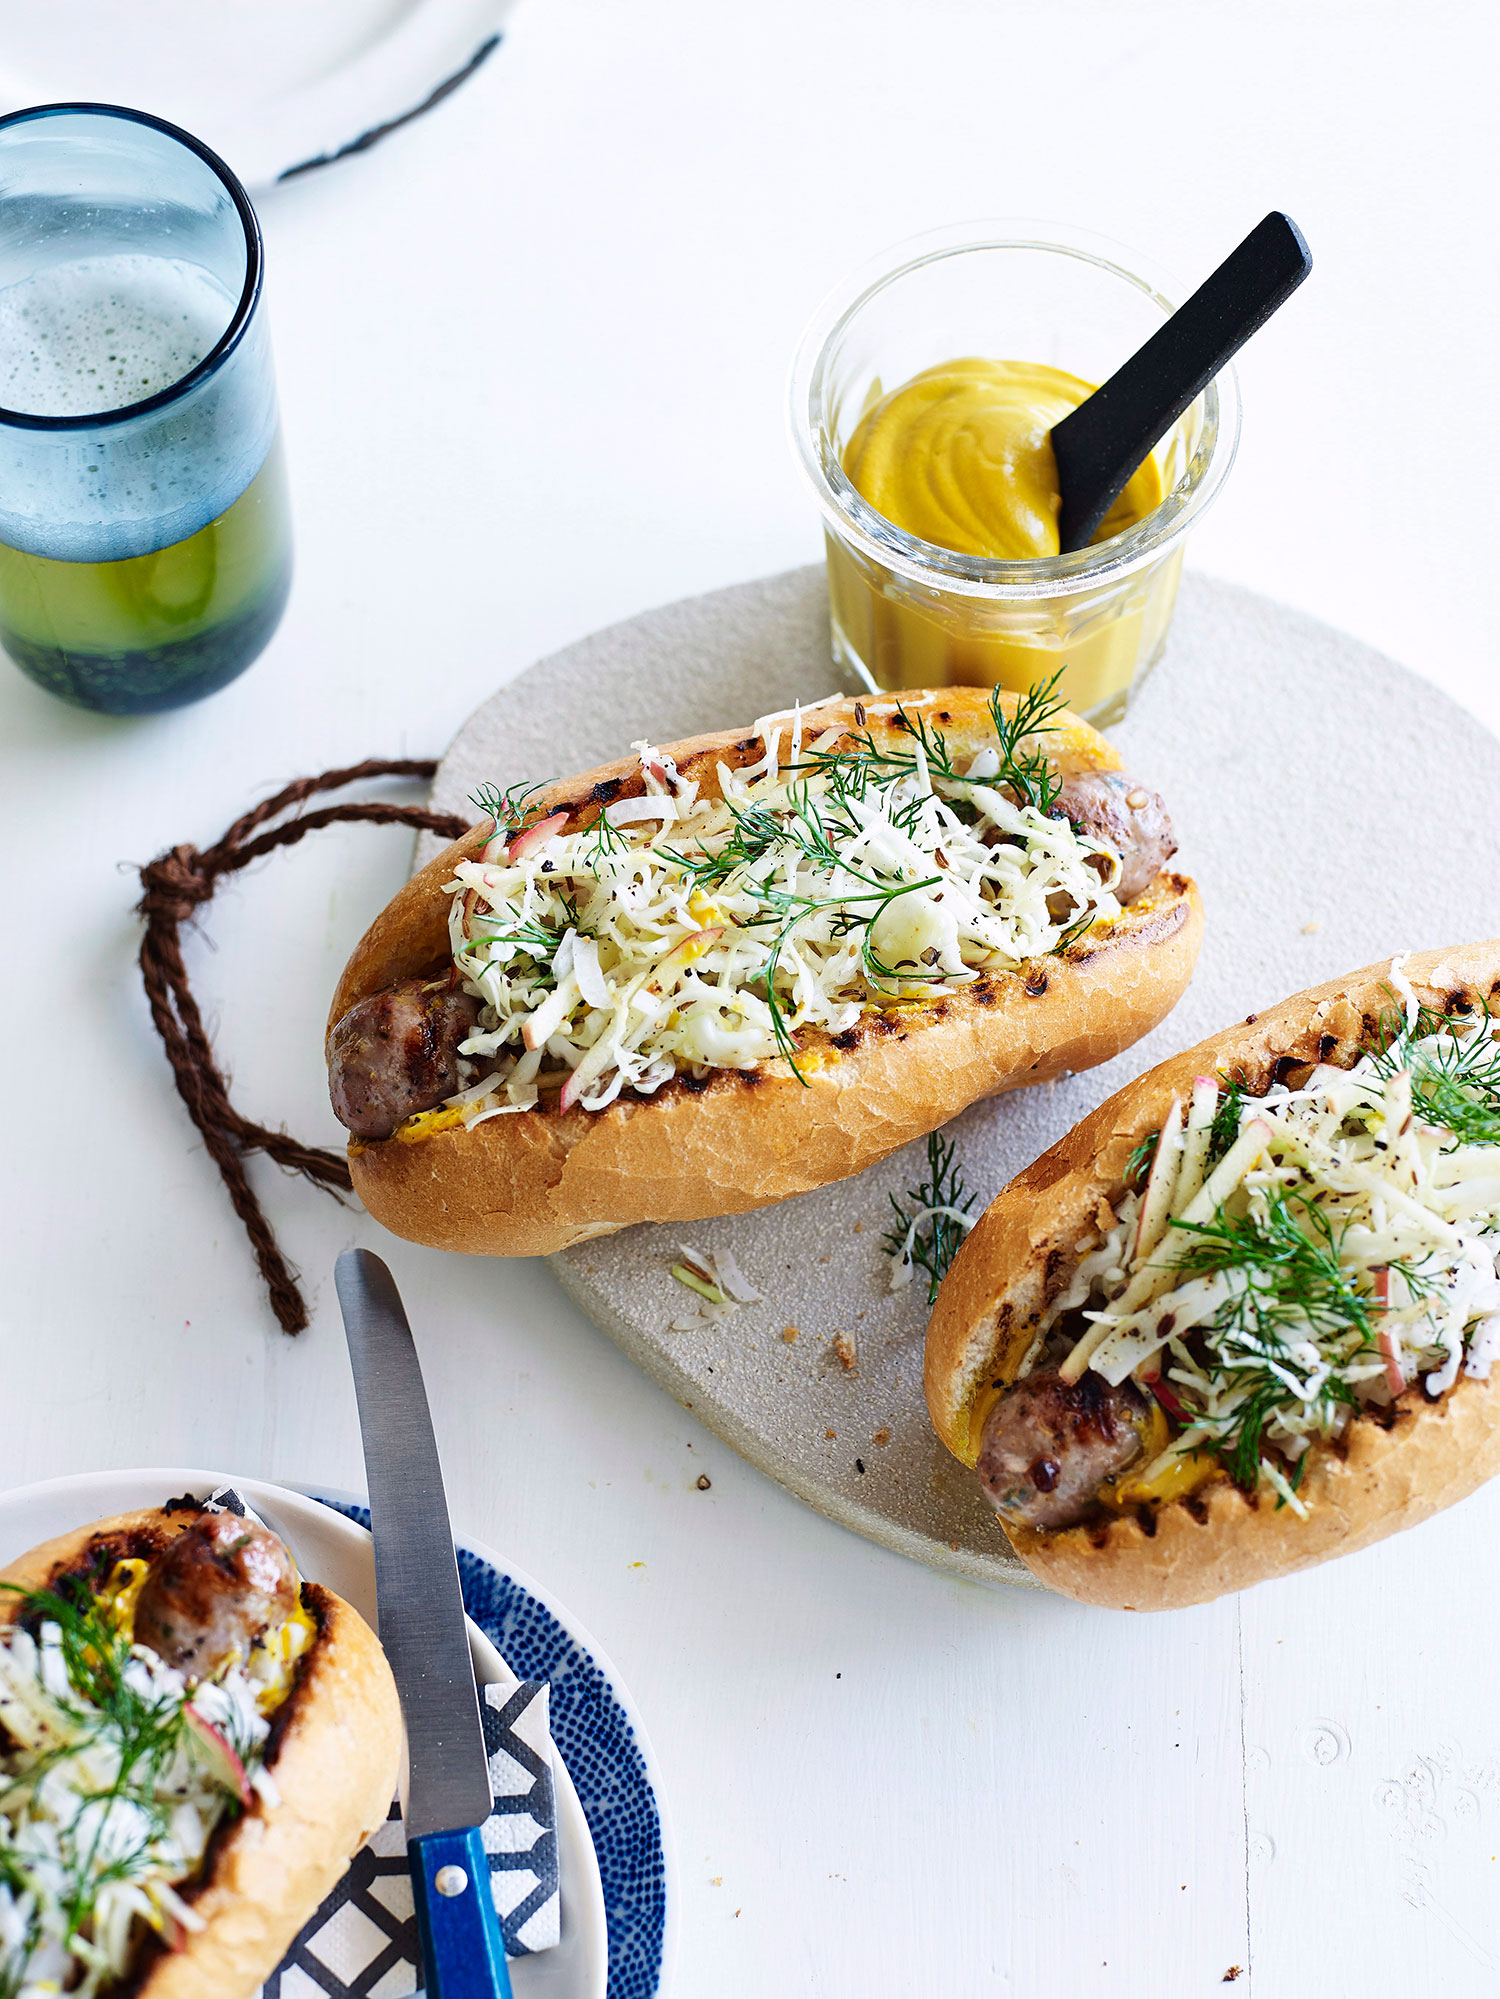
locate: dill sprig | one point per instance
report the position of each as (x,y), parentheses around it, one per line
(1228,1116)
(537,941)
(1029,772)
(1138,1165)
(512,810)
(937,1238)
(1455,1086)
(1025,767)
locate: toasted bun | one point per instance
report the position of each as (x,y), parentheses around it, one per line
(1375,1482)
(536,1181)
(334,1753)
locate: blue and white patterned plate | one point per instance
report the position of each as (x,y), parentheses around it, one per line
(602,1743)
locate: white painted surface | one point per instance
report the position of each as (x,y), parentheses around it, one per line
(532,355)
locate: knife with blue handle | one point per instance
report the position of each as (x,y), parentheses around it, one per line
(421,1616)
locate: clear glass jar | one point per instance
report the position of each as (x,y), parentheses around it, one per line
(907,613)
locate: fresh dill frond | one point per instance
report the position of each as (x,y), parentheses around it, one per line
(1138,1165)
(1072,934)
(512,810)
(1240,1452)
(1029,772)
(607,839)
(1455,1085)
(1228,1115)
(936,1203)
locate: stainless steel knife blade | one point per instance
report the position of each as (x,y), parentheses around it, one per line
(421,1612)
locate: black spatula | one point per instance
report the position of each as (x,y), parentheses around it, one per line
(1102,442)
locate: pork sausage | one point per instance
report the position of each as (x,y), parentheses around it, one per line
(1112,807)
(396,1053)
(216,1589)
(1048,1445)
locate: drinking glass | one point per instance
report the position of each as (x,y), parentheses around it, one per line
(907,613)
(145,545)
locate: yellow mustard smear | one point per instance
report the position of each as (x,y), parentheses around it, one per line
(961,457)
(422,1124)
(284,1647)
(1183,1473)
(117,1599)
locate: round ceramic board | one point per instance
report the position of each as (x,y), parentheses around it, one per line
(1334,809)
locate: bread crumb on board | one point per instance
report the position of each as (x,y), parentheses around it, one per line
(1309,929)
(881,1437)
(790,1334)
(844,1353)
(830,1434)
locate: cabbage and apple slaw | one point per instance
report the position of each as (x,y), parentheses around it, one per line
(833,876)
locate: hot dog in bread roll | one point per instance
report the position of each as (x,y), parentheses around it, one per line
(193,1742)
(714,975)
(1245,1316)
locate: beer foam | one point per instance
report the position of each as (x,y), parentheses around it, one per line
(83,338)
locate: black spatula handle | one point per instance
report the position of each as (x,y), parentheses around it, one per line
(1102,442)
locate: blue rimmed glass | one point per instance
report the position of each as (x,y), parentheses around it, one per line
(145,545)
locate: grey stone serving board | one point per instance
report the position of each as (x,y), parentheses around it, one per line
(1334,809)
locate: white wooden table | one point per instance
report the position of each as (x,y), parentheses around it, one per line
(532,353)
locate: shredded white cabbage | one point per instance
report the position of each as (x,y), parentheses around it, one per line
(687,934)
(107,1807)
(1356,1252)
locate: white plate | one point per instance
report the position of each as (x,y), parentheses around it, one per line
(335,1552)
(275,88)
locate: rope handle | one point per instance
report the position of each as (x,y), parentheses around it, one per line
(176,885)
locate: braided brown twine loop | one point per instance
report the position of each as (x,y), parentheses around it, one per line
(177,884)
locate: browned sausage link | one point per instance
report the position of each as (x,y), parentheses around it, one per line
(1112,807)
(396,1053)
(1048,1446)
(219,1586)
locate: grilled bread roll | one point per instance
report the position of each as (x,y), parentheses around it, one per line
(1242,1318)
(864,917)
(285,1754)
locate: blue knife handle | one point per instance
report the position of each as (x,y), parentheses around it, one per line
(463,1951)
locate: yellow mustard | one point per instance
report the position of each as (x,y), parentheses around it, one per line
(961,456)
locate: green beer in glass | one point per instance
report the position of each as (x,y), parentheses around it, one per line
(145,548)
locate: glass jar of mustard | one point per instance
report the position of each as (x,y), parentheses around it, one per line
(921,398)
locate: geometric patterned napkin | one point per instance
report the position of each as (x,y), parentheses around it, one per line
(362,1943)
